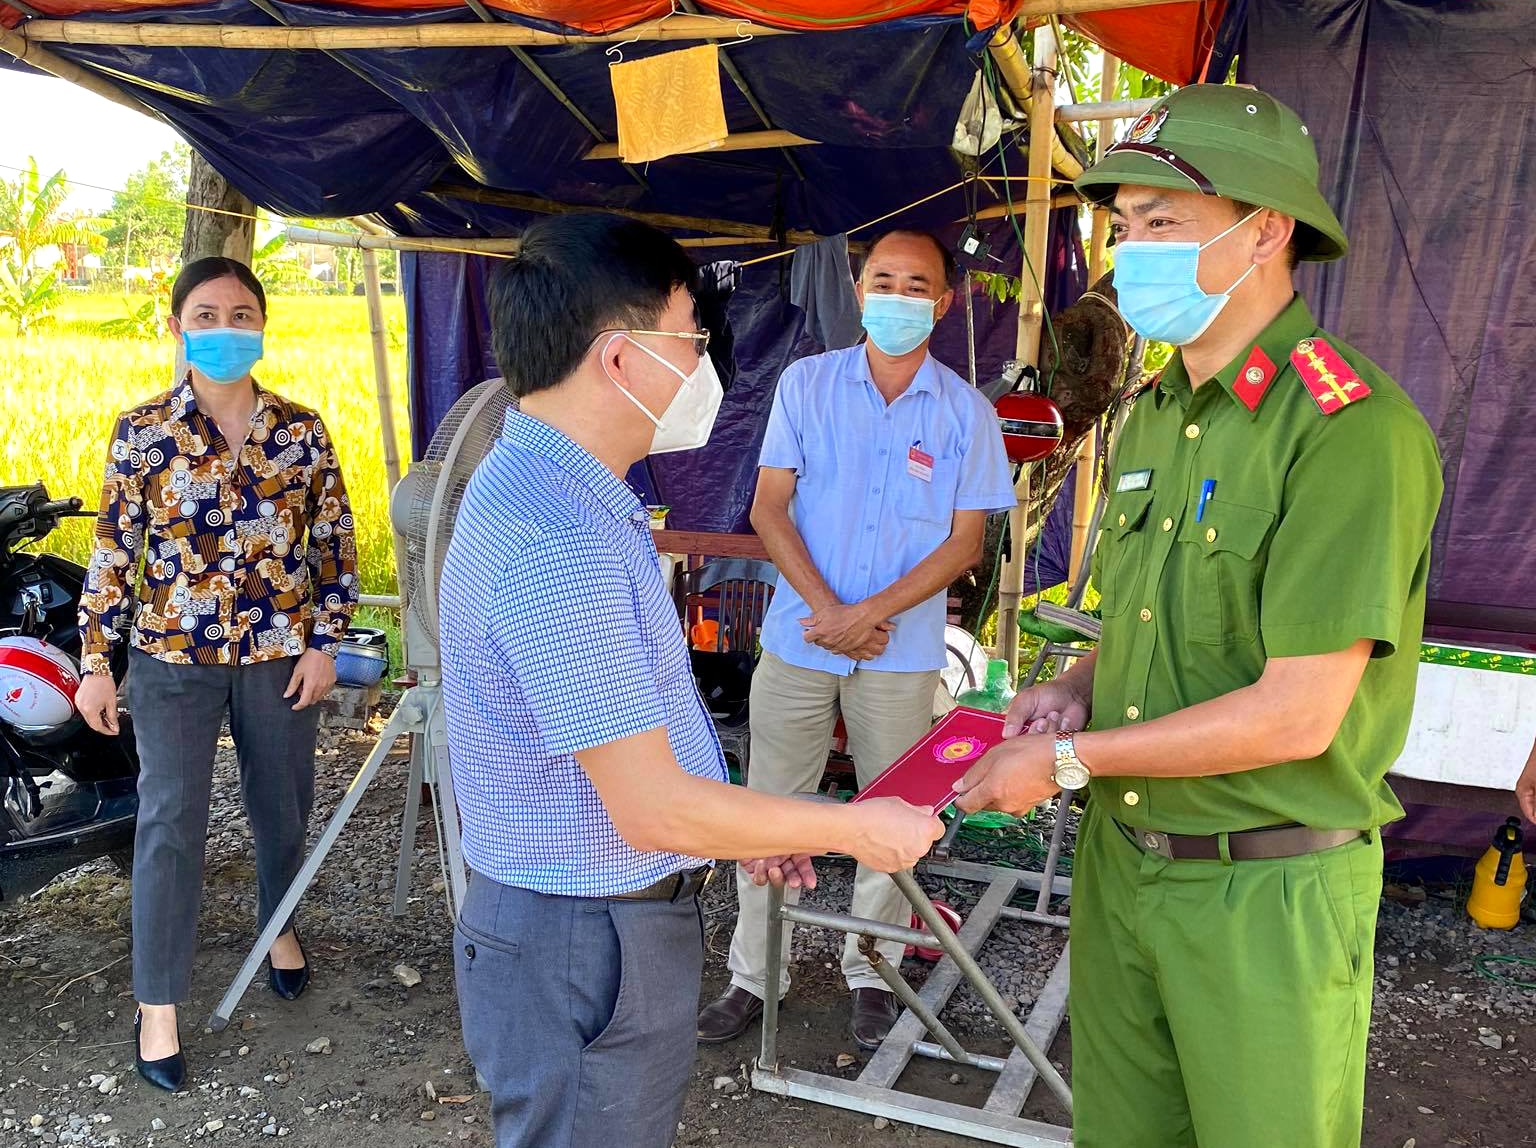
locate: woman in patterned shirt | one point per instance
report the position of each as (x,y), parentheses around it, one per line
(225,546)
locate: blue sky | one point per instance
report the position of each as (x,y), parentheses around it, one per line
(94,141)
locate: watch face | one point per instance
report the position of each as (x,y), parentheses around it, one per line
(1071,776)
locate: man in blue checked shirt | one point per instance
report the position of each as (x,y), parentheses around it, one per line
(590,781)
(878,470)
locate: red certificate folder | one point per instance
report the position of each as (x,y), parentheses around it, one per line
(926,774)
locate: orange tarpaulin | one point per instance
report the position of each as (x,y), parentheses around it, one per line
(1171,41)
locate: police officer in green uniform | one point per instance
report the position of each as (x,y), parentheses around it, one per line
(1262,569)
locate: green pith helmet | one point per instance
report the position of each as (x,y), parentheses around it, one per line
(1233,142)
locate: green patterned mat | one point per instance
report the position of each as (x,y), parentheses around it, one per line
(1478,659)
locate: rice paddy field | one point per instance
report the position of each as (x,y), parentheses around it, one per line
(64,384)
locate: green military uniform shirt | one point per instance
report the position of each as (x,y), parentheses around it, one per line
(1316,536)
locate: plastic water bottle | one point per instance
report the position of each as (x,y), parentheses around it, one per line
(995,695)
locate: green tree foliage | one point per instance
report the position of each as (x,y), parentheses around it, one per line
(149,213)
(32,219)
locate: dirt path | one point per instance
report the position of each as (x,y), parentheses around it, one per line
(1450,1055)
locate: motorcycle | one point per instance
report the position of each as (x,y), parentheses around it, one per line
(68,794)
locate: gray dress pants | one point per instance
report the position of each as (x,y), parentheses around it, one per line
(177,712)
(581,1013)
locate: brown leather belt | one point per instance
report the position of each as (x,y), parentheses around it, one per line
(673,887)
(1247,845)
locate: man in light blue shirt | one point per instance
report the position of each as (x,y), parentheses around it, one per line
(590,781)
(878,470)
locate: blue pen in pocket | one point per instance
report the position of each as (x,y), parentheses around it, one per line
(1207,490)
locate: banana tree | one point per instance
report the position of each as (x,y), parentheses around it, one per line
(32,218)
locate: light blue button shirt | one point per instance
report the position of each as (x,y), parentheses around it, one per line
(557,636)
(865,516)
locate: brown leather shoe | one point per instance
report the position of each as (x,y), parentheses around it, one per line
(874,1012)
(728,1016)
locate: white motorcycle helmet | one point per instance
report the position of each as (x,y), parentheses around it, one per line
(37,686)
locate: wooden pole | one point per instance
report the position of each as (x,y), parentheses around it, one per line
(330,38)
(376,332)
(1084,494)
(1109,79)
(1009,57)
(736,141)
(1042,133)
(24,49)
(664,220)
(476,246)
(1105,109)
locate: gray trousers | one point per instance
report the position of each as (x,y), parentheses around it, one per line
(177,713)
(580,1013)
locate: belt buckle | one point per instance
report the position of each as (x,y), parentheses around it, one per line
(1154,842)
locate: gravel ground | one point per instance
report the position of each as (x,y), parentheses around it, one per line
(372,1052)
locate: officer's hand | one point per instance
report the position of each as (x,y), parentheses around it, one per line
(1033,707)
(793,871)
(96,699)
(889,834)
(1525,787)
(1013,777)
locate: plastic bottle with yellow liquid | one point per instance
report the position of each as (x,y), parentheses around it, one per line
(1498,884)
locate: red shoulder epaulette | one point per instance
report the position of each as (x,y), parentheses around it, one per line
(1331,381)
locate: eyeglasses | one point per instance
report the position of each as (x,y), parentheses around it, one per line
(700,339)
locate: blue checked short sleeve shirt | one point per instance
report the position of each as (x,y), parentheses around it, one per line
(558,635)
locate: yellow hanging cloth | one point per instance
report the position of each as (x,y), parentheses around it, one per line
(669,104)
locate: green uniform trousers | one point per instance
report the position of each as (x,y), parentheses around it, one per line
(1219,1005)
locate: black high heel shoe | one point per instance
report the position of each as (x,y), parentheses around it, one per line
(289,983)
(169,1073)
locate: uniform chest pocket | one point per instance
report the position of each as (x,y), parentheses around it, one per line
(1223,554)
(932,500)
(1120,540)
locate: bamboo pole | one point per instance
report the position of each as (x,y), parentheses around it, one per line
(1084,494)
(736,141)
(1009,57)
(376,333)
(24,49)
(1109,79)
(1042,133)
(660,219)
(1105,109)
(452,35)
(477,246)
(1003,210)
(332,38)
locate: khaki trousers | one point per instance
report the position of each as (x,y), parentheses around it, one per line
(794,712)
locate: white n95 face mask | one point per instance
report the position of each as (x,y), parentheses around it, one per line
(690,416)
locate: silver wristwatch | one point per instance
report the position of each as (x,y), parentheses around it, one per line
(1070,773)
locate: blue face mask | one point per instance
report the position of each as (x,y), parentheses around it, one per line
(897,324)
(223,354)
(1159,293)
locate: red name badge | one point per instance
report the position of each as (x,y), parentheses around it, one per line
(919,464)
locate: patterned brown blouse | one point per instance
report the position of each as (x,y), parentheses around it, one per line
(242,561)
